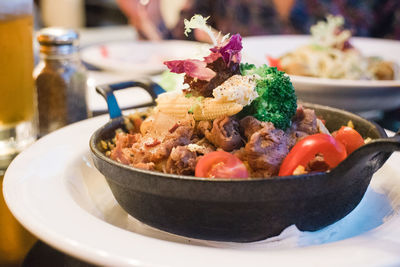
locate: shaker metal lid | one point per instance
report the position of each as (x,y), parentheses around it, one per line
(57,36)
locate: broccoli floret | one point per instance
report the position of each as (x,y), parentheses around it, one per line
(277,101)
(250,69)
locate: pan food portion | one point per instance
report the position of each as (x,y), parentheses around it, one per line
(233,120)
(240,123)
(330,54)
(229,147)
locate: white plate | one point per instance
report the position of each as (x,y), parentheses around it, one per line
(54,190)
(346,94)
(141,57)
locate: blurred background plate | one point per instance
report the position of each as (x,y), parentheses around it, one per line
(353,95)
(140,57)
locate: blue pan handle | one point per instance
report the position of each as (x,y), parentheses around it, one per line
(107,92)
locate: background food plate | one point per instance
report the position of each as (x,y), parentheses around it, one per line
(54,190)
(352,95)
(140,57)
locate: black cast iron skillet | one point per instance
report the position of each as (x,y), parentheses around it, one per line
(242,210)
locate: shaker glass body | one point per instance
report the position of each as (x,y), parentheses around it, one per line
(61,88)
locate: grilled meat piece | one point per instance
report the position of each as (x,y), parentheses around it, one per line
(181,161)
(225,134)
(304,124)
(250,125)
(266,149)
(305,121)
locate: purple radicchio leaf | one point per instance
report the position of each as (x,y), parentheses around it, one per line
(230,52)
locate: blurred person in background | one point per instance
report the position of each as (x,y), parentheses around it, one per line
(368,18)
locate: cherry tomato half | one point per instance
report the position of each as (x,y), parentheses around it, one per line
(306,149)
(349,137)
(221,164)
(274,62)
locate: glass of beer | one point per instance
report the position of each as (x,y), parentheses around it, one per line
(18,127)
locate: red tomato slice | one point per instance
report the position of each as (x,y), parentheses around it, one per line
(306,149)
(349,137)
(221,164)
(274,62)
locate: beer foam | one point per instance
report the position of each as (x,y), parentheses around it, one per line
(11,8)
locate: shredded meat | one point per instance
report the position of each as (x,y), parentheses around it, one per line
(150,166)
(138,150)
(121,154)
(181,161)
(181,136)
(121,151)
(265,150)
(225,134)
(204,147)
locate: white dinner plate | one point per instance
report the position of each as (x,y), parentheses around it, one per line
(141,57)
(54,190)
(353,95)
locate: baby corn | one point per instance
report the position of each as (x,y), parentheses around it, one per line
(201,108)
(211,109)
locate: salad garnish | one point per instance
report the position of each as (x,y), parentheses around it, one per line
(272,98)
(330,33)
(199,22)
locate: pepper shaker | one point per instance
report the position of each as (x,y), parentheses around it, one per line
(60,80)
